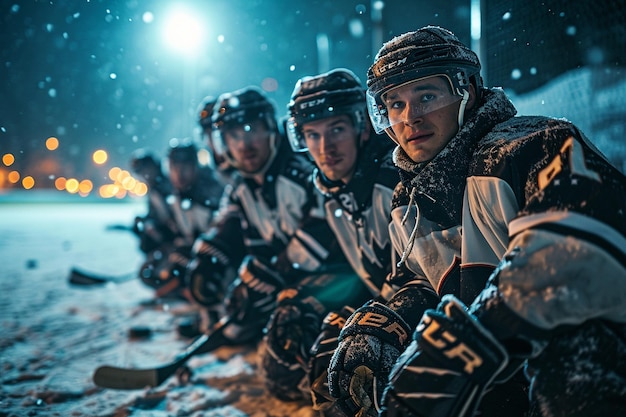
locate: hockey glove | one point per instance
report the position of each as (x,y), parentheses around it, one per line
(290,333)
(320,354)
(164,270)
(251,299)
(446,369)
(208,274)
(369,345)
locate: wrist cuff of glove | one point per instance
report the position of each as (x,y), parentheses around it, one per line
(206,249)
(260,277)
(455,336)
(378,320)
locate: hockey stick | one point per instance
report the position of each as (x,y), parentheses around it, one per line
(132,378)
(81,277)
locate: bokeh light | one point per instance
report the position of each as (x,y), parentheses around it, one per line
(183,32)
(59,183)
(71,185)
(8,159)
(100,156)
(28,182)
(140,189)
(52,143)
(85,187)
(13,177)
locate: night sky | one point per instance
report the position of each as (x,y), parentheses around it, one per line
(98,74)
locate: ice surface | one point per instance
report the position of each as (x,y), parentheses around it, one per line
(53,335)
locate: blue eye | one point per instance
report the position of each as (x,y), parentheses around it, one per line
(396,105)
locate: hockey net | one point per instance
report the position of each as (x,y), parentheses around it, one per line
(564,59)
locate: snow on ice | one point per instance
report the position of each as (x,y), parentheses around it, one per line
(54,335)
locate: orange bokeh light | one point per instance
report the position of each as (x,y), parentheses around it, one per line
(85,186)
(114,172)
(13,177)
(52,143)
(140,189)
(8,159)
(28,182)
(59,183)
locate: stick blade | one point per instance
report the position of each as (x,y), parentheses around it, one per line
(81,278)
(126,379)
(85,278)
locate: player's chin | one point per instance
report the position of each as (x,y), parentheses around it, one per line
(335,172)
(331,175)
(251,165)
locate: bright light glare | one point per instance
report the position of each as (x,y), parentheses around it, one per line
(183,32)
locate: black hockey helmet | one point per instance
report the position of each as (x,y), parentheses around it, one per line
(142,159)
(238,108)
(333,93)
(243,106)
(182,151)
(205,111)
(426,52)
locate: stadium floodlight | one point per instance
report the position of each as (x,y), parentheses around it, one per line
(183,32)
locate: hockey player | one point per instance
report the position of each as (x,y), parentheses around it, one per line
(271,232)
(327,118)
(155,227)
(223,169)
(527,206)
(190,207)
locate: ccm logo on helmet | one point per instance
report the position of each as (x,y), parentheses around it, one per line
(447,343)
(312,103)
(384,68)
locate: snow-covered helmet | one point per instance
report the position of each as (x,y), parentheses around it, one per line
(426,52)
(182,151)
(333,93)
(238,108)
(205,119)
(142,159)
(205,111)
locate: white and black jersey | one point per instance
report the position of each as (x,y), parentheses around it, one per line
(528,206)
(281,221)
(511,182)
(359,212)
(193,210)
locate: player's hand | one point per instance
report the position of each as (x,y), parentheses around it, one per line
(444,372)
(289,335)
(320,355)
(251,299)
(208,275)
(369,345)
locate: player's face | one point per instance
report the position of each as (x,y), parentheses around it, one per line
(149,173)
(332,143)
(421,133)
(249,145)
(183,175)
